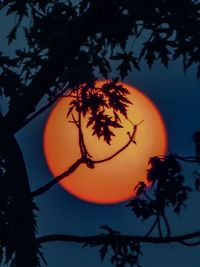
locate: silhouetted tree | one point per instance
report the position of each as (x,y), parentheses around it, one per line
(66,48)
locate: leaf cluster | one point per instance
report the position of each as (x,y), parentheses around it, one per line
(167,182)
(122,253)
(101,106)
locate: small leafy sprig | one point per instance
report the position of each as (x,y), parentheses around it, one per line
(102,106)
(169,190)
(123,253)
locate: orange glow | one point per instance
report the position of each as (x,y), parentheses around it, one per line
(112,181)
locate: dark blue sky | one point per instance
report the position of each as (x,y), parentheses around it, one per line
(177,96)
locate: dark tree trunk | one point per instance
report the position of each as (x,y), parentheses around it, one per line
(17,221)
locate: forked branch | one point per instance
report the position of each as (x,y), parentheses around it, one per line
(131,140)
(84,160)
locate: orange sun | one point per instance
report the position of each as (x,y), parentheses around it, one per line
(112,181)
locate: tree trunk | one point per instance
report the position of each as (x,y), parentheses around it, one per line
(17,221)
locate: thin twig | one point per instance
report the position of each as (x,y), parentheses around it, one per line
(190,244)
(186,159)
(37,113)
(152,227)
(147,196)
(131,139)
(159,226)
(167,225)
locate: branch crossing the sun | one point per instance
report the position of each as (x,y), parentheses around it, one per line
(85,159)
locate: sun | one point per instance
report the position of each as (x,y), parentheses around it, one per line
(112,181)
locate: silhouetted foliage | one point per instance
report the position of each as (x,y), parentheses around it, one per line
(169,191)
(66,47)
(97,102)
(123,253)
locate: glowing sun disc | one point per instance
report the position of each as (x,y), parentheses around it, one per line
(112,181)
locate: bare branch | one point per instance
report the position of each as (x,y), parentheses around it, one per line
(190,244)
(167,224)
(54,181)
(187,159)
(152,228)
(106,238)
(37,113)
(159,226)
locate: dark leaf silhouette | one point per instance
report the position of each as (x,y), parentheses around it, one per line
(103,251)
(140,188)
(197,184)
(168,187)
(102,125)
(12,35)
(96,103)
(125,66)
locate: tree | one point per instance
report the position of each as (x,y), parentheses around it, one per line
(68,45)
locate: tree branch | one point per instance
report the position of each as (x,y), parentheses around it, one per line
(166,224)
(152,228)
(191,159)
(41,110)
(106,238)
(131,139)
(47,186)
(190,244)
(84,159)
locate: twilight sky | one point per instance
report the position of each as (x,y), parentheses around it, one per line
(177,97)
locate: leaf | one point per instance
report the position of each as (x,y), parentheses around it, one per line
(104,67)
(83,6)
(140,188)
(18,6)
(101,125)
(12,35)
(103,251)
(163,55)
(70,110)
(11,9)
(125,66)
(117,97)
(197,184)
(150,57)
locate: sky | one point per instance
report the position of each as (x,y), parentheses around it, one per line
(177,97)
